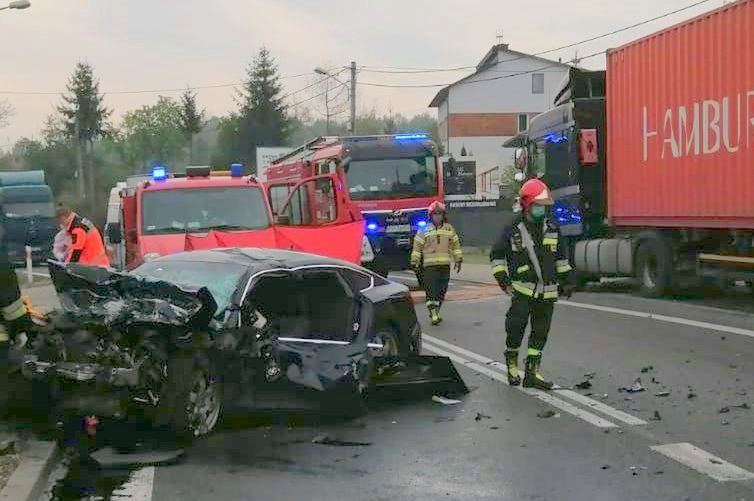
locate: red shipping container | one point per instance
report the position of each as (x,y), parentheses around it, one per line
(680,115)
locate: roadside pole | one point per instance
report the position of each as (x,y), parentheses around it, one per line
(353,98)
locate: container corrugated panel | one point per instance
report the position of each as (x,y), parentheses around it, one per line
(680,110)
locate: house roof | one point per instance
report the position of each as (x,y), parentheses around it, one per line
(488,61)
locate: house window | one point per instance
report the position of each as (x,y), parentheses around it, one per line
(537,83)
(523,122)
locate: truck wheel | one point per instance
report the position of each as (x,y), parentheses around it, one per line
(654,268)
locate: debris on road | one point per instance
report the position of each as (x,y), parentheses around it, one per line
(604,396)
(744,406)
(715,461)
(329,440)
(445,401)
(590,375)
(725,422)
(724,410)
(656,416)
(636,387)
(646,369)
(480,416)
(548,414)
(662,394)
(605,467)
(691,395)
(584,385)
(494,427)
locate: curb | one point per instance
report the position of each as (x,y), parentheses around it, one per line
(29,479)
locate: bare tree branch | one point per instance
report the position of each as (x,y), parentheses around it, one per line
(6,111)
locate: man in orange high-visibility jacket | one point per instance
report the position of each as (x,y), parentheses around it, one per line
(86,242)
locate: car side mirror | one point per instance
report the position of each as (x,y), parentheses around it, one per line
(113,233)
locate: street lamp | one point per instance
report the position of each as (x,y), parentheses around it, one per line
(17,4)
(321,71)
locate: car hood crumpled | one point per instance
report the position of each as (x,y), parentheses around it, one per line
(116,298)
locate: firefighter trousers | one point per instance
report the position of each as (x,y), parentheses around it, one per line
(435,282)
(523,310)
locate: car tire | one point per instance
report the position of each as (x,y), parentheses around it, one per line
(654,268)
(192,400)
(391,342)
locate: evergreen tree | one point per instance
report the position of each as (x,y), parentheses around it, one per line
(84,121)
(192,120)
(262,118)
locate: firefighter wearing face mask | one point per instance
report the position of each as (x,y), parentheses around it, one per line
(435,248)
(530,263)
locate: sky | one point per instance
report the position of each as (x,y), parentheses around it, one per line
(142,45)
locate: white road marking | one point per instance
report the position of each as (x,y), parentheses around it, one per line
(572,395)
(540,395)
(703,462)
(662,318)
(139,487)
(603,408)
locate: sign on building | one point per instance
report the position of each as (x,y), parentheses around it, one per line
(459,177)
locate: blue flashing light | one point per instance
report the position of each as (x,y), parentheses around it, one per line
(411,137)
(421,224)
(236,169)
(566,215)
(556,137)
(159,173)
(372,227)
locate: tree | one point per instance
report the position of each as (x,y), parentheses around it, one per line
(154,133)
(192,120)
(6,111)
(262,119)
(85,120)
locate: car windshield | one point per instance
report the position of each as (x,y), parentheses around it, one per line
(392,178)
(220,278)
(203,209)
(29,209)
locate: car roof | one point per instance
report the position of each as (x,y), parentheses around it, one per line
(256,259)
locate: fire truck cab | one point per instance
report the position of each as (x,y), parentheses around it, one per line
(201,209)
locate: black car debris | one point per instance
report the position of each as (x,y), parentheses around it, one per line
(186,337)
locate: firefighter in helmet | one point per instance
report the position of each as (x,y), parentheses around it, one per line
(435,248)
(530,263)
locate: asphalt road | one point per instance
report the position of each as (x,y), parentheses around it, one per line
(498,442)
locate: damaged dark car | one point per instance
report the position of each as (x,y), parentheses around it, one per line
(185,338)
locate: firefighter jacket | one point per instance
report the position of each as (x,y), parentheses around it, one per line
(531,259)
(86,243)
(436,246)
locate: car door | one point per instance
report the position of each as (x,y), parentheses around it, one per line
(316,348)
(319,217)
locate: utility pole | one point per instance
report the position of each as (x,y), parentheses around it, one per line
(353,97)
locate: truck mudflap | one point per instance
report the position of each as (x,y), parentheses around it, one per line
(416,376)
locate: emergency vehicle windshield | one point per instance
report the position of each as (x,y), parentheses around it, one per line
(392,178)
(203,209)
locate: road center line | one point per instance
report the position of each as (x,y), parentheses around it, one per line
(540,395)
(572,395)
(662,318)
(703,462)
(139,487)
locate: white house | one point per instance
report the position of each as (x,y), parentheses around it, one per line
(481,111)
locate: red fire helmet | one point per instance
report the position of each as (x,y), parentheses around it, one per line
(534,191)
(435,207)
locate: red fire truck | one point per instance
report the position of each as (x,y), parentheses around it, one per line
(200,209)
(392,179)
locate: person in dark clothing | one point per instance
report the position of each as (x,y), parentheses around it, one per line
(530,263)
(14,317)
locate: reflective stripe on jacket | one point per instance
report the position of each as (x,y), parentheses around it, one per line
(436,246)
(532,265)
(87,246)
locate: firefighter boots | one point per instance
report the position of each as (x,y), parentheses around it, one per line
(532,377)
(434,315)
(511,362)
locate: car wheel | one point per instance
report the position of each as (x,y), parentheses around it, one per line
(194,396)
(391,346)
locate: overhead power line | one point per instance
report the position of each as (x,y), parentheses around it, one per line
(409,70)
